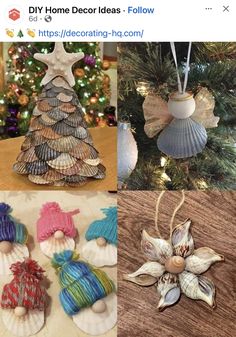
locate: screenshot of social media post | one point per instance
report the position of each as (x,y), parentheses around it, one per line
(117,168)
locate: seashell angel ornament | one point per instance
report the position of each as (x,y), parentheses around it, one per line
(175,266)
(55,229)
(13,238)
(181,121)
(58,149)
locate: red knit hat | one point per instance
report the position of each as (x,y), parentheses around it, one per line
(52,219)
(25,289)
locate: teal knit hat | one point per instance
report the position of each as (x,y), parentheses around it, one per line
(106,228)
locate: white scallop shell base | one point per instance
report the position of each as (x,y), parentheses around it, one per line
(27,325)
(98,323)
(18,253)
(100,256)
(182,138)
(52,245)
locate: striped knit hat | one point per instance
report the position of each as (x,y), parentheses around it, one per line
(52,219)
(106,228)
(10,230)
(25,289)
(82,285)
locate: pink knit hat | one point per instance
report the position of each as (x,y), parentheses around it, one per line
(52,219)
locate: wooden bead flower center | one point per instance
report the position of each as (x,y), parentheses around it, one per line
(175,264)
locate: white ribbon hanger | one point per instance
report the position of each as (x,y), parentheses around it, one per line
(181,89)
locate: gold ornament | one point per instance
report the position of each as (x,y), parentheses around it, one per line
(106,65)
(79,72)
(93,100)
(2,108)
(23,99)
(106,80)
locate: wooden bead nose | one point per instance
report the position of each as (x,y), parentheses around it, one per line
(175,264)
(99,306)
(59,235)
(5,247)
(20,311)
(101,242)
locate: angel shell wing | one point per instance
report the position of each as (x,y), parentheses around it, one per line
(205,104)
(156,115)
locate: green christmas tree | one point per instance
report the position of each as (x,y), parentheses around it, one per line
(24,75)
(149,67)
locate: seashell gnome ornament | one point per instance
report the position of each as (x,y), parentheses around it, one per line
(101,248)
(58,149)
(55,229)
(182,120)
(24,300)
(88,295)
(13,238)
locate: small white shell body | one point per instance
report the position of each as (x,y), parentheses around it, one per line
(201,259)
(197,287)
(181,106)
(24,326)
(53,245)
(147,274)
(168,289)
(155,249)
(182,240)
(100,256)
(98,323)
(182,138)
(18,253)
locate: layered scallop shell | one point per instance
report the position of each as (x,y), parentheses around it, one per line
(182,138)
(52,245)
(58,141)
(99,256)
(18,253)
(98,323)
(27,325)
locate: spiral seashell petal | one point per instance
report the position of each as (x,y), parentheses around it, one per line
(147,274)
(155,249)
(182,240)
(201,259)
(169,290)
(197,287)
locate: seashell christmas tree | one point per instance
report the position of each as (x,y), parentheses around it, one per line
(58,149)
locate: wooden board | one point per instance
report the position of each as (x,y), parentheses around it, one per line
(104,141)
(214,225)
(26,207)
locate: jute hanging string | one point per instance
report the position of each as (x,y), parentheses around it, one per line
(173,215)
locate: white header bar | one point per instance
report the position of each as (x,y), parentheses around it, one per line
(107,20)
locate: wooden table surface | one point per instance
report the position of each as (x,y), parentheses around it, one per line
(104,141)
(214,225)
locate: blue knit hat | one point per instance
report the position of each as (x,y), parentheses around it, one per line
(10,230)
(106,228)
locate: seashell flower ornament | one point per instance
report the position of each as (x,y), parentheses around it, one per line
(24,300)
(87,294)
(175,266)
(13,238)
(182,120)
(101,248)
(55,229)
